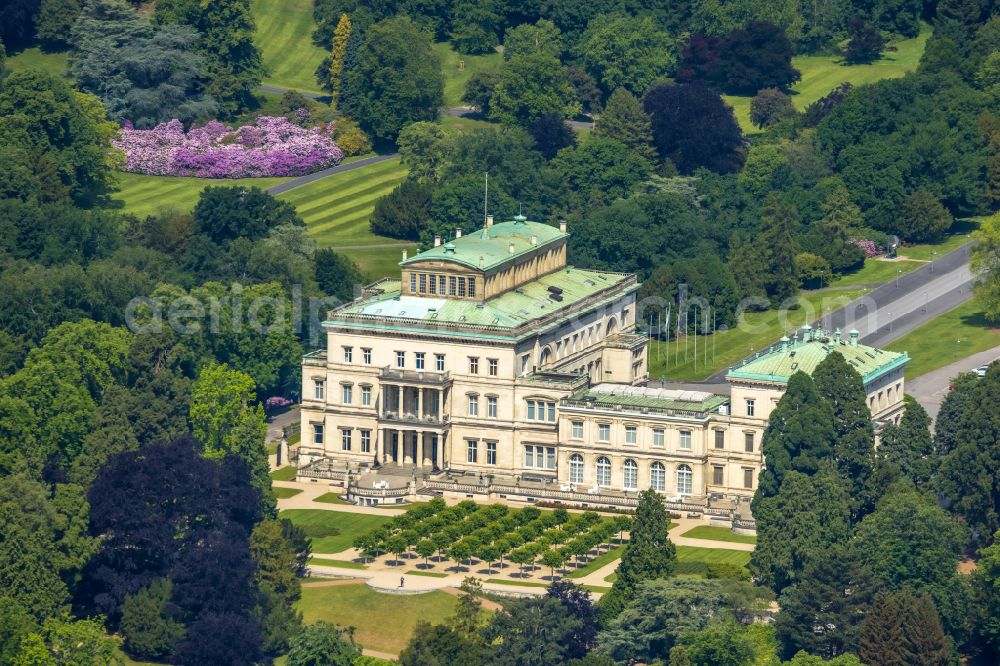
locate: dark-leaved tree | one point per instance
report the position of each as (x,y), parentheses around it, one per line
(226,213)
(693,127)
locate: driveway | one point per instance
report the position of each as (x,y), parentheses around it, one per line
(930,389)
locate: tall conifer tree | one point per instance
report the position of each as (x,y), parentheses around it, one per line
(341,37)
(882,632)
(650,554)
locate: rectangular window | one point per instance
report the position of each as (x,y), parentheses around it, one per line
(461,286)
(432,287)
(539,457)
(686,440)
(366,441)
(658,437)
(472,451)
(472,287)
(750,407)
(494,367)
(720,439)
(348,393)
(531,410)
(420,361)
(717,475)
(525,360)
(348,354)
(400,359)
(413,283)
(491,453)
(473,405)
(441,285)
(451,285)
(345,439)
(439,362)
(603,432)
(366,355)
(550,457)
(577,430)
(423,283)
(318,433)
(491,406)
(319,389)
(529,456)
(550,409)
(366,396)
(747,477)
(748,442)
(473,365)
(630,435)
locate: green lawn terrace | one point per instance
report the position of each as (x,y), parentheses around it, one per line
(284,37)
(947,339)
(821,74)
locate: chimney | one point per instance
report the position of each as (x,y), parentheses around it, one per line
(404,255)
(534,239)
(458,233)
(562,226)
(437,241)
(489,220)
(510,248)
(854,337)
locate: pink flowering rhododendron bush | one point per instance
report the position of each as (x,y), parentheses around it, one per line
(273,146)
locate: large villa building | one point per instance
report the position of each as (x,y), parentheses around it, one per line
(491,357)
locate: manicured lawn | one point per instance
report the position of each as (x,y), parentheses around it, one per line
(691,560)
(714,533)
(333,531)
(337,208)
(511,581)
(757,330)
(285,493)
(429,574)
(330,498)
(821,74)
(144,195)
(284,473)
(378,261)
(284,37)
(383,622)
(35,58)
(596,563)
(947,339)
(454,78)
(340,564)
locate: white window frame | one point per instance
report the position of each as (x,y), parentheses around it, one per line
(576,468)
(366,396)
(491,406)
(685,480)
(366,441)
(685,440)
(659,437)
(603,476)
(603,432)
(400,359)
(630,475)
(419,360)
(473,405)
(577,430)
(346,394)
(658,477)
(348,354)
(631,435)
(366,355)
(439,362)
(319,389)
(751,405)
(345,439)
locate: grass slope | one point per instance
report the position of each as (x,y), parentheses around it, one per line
(455,78)
(333,531)
(947,339)
(911,257)
(691,560)
(35,58)
(676,361)
(714,533)
(284,473)
(383,622)
(821,74)
(143,195)
(337,208)
(284,37)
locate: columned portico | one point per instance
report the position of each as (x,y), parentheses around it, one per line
(419,447)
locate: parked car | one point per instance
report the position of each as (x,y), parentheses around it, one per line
(981,370)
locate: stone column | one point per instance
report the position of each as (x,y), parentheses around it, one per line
(418,447)
(417,408)
(407,458)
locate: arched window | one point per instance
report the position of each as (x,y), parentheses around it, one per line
(545,357)
(683,480)
(612,327)
(576,468)
(631,475)
(603,471)
(658,477)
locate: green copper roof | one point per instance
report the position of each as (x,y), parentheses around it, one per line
(804,353)
(489,247)
(528,302)
(637,398)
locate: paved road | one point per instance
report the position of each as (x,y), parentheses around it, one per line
(930,389)
(899,306)
(319,175)
(281,91)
